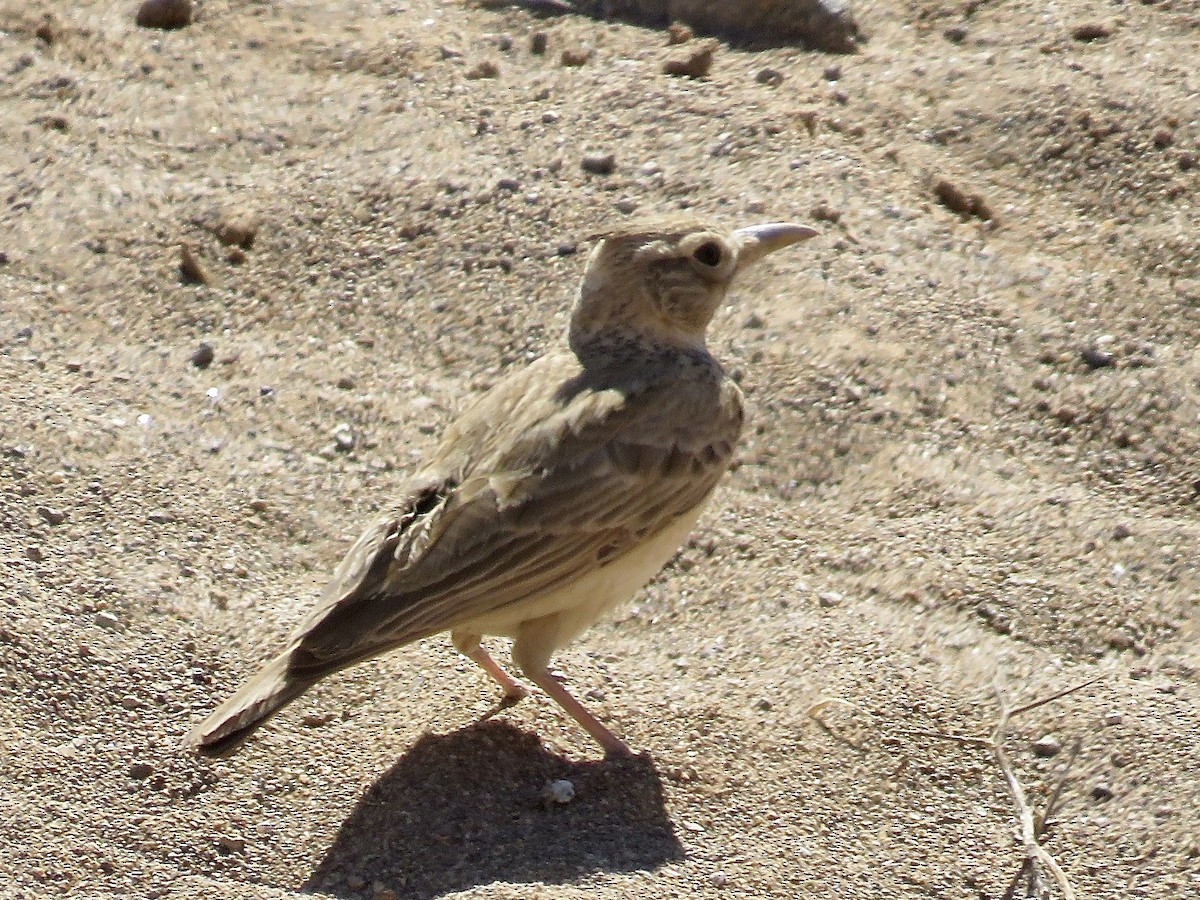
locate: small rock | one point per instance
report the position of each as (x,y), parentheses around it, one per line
(504,43)
(696,64)
(131,702)
(1091,31)
(190,269)
(718,879)
(484,69)
(832,72)
(48,30)
(229,844)
(509,184)
(962,202)
(52,516)
(343,438)
(754,321)
(599,163)
(1113,717)
(1102,792)
(238,227)
(823,212)
(1046,746)
(574,57)
(316,720)
(829,598)
(762,703)
(202,357)
(235,256)
(955,34)
(537,43)
(161,517)
(139,771)
(678,33)
(625,205)
(34,554)
(107,621)
(165,14)
(561,791)
(54,122)
(1163,137)
(1095,358)
(1121,531)
(771,77)
(346,383)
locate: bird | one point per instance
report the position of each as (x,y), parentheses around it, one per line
(556,495)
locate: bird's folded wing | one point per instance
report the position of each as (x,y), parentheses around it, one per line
(461,551)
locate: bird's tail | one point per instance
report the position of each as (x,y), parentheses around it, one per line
(231,723)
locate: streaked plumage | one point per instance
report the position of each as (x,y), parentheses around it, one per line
(557,495)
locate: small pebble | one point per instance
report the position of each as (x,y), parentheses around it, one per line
(625,205)
(140,770)
(1163,137)
(229,844)
(561,791)
(574,57)
(1113,717)
(484,69)
(161,517)
(829,598)
(1046,746)
(696,64)
(1091,31)
(346,383)
(51,515)
(771,77)
(343,437)
(34,554)
(599,163)
(537,43)
(718,879)
(678,33)
(107,621)
(955,34)
(832,72)
(1095,358)
(131,702)
(1102,792)
(190,269)
(238,227)
(165,14)
(203,356)
(1121,531)
(763,704)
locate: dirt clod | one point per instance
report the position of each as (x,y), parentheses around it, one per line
(190,269)
(696,64)
(966,203)
(164,14)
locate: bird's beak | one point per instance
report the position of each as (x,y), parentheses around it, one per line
(757,241)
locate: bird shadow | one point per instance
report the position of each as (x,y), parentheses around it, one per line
(471,807)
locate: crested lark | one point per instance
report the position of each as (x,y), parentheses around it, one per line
(554,497)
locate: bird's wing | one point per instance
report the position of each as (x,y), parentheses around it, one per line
(560,498)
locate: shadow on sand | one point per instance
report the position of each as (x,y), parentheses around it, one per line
(469,808)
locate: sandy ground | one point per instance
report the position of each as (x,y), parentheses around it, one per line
(972,473)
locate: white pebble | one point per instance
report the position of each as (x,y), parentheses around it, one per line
(561,791)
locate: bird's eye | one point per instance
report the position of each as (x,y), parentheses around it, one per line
(708,253)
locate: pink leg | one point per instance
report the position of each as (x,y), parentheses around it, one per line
(532,648)
(468,645)
(613,745)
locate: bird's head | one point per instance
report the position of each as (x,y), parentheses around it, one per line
(664,280)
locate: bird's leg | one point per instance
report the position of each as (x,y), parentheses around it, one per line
(531,652)
(613,745)
(468,645)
